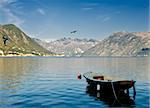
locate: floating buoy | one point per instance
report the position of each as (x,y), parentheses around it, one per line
(79,76)
(132,83)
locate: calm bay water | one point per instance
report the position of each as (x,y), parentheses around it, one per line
(52,82)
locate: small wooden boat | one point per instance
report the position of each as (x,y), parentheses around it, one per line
(104,83)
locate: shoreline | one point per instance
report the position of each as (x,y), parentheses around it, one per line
(63,56)
(30,55)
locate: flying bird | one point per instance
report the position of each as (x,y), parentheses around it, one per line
(73,31)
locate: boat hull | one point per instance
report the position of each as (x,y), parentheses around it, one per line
(107,85)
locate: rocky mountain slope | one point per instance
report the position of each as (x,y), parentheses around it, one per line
(122,44)
(15,42)
(68,46)
(18,43)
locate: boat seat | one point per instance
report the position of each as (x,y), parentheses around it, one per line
(98,77)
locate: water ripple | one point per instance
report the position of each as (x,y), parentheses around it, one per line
(52,82)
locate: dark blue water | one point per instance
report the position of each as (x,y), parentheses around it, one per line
(52,82)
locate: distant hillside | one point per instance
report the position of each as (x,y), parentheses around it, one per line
(18,42)
(123,44)
(68,46)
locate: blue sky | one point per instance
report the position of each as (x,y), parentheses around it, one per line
(53,19)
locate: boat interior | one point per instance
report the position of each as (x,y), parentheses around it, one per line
(98,77)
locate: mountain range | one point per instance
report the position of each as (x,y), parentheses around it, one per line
(68,46)
(13,41)
(117,44)
(123,44)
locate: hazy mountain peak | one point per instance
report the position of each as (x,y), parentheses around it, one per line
(120,33)
(122,44)
(68,46)
(142,34)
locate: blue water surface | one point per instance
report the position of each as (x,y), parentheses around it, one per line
(50,82)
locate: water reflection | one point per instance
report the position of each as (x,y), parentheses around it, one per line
(14,70)
(123,99)
(29,81)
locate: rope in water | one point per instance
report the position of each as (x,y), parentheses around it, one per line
(114,91)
